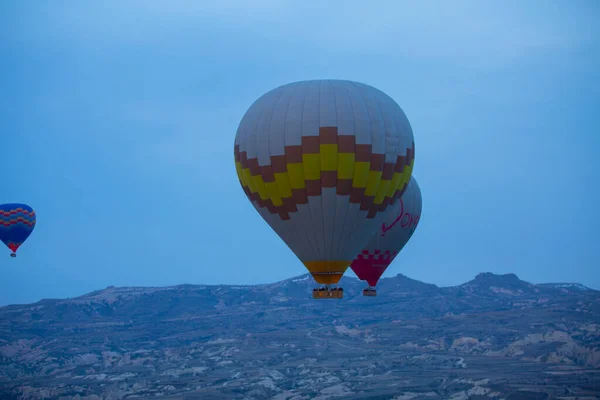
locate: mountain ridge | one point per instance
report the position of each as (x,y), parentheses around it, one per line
(400,280)
(413,341)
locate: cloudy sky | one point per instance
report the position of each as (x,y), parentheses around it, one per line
(117,121)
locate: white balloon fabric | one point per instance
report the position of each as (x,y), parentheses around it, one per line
(321,161)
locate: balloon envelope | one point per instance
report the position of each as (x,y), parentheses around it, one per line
(320,161)
(401,221)
(16,224)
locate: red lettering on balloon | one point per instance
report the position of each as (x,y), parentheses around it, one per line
(384,229)
(406,220)
(416,220)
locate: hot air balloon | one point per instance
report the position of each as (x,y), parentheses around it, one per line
(16,224)
(321,160)
(402,219)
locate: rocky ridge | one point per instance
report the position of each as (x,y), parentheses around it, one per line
(494,337)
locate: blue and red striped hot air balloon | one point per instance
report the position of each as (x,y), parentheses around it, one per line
(16,224)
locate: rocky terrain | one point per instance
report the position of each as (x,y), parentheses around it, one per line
(495,337)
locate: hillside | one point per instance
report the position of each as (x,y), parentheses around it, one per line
(493,337)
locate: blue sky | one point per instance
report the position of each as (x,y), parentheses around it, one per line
(118,119)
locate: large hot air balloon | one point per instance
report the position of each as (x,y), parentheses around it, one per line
(321,160)
(401,220)
(16,224)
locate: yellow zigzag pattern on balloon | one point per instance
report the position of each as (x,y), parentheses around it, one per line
(297,174)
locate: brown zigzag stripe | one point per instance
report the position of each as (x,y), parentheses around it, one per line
(328,179)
